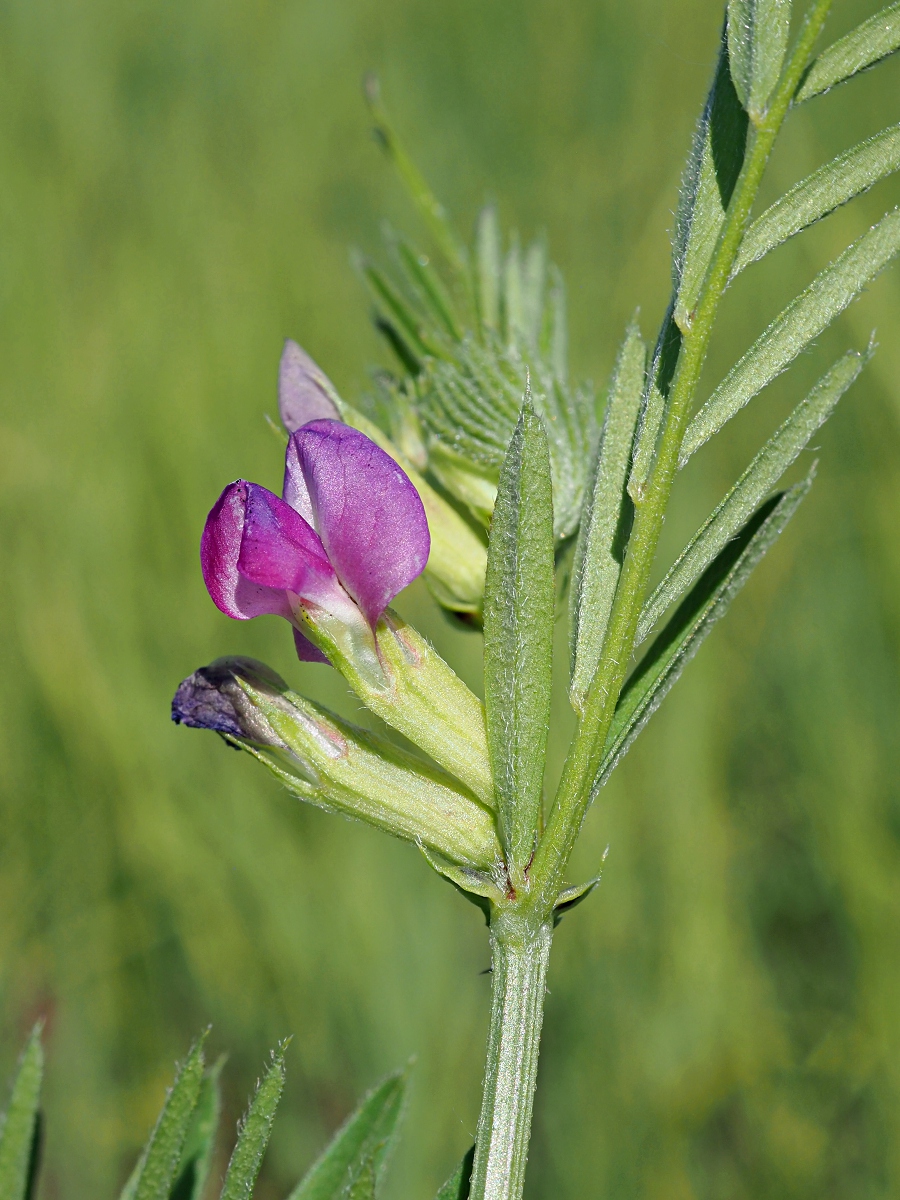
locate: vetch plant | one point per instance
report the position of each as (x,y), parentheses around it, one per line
(480,465)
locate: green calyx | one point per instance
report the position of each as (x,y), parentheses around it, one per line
(343,768)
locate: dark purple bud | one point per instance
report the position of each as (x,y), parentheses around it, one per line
(364,508)
(212,698)
(304,390)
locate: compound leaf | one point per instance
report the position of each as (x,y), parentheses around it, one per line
(692,621)
(791,332)
(862,48)
(759,478)
(19,1125)
(606,516)
(519,611)
(366,1136)
(821,193)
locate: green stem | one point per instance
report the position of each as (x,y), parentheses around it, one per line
(521,932)
(585,755)
(520,951)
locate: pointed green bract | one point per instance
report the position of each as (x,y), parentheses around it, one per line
(19,1124)
(457,1186)
(519,612)
(757,41)
(680,640)
(200,1140)
(862,48)
(821,193)
(713,168)
(760,477)
(791,332)
(572,896)
(602,537)
(154,1175)
(255,1130)
(366,1136)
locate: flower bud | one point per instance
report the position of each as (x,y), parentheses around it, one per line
(336,765)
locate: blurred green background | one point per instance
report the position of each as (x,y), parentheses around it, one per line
(180,186)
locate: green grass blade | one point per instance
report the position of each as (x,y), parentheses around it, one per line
(19,1125)
(760,477)
(255,1131)
(865,46)
(791,332)
(692,621)
(200,1141)
(821,193)
(602,537)
(457,1186)
(757,40)
(154,1175)
(366,1135)
(713,169)
(488,267)
(519,612)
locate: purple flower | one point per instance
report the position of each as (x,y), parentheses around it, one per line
(348,535)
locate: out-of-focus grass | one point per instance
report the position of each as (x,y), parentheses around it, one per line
(180,185)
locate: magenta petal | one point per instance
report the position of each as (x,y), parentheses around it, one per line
(303,389)
(220,548)
(280,550)
(366,511)
(295,492)
(306,651)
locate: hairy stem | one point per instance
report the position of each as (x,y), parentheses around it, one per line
(520,951)
(586,752)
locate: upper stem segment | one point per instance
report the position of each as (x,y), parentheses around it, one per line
(586,753)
